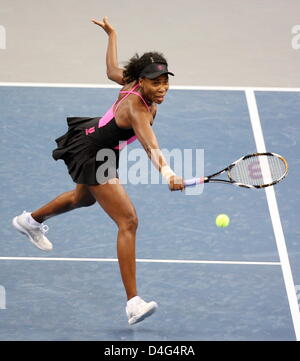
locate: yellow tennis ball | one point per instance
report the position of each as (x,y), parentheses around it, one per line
(222,220)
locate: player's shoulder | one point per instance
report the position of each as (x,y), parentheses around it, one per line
(128,86)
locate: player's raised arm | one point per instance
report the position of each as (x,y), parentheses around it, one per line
(113,71)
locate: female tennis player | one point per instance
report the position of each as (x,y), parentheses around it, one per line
(145,84)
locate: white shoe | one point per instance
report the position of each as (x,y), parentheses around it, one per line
(137,309)
(36,235)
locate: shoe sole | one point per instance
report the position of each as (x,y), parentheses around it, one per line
(136,319)
(23,231)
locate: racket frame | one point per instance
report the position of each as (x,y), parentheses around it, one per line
(211,178)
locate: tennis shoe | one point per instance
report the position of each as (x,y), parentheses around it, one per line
(36,235)
(137,309)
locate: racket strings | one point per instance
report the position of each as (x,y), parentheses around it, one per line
(258,170)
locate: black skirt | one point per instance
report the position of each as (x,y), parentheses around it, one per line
(79,152)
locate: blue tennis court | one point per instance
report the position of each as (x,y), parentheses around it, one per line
(212,284)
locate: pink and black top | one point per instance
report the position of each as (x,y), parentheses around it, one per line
(86,136)
(108,123)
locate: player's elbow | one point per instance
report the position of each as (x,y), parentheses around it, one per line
(110,74)
(114,76)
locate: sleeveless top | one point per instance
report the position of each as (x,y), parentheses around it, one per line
(86,136)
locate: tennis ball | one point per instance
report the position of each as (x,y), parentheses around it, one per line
(222,220)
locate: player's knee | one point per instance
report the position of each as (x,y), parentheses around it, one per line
(129,223)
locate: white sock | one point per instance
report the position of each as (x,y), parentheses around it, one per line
(133,300)
(32,221)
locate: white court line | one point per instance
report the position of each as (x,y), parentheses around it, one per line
(275,217)
(138,260)
(174,87)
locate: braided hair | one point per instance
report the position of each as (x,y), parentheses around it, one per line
(136,64)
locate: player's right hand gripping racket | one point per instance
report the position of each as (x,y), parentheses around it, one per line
(257,170)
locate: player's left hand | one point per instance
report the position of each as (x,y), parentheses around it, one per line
(105,25)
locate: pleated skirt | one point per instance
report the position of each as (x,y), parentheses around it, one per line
(79,153)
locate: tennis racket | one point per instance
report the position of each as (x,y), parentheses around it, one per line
(257,170)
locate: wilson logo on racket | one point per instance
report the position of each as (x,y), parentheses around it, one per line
(254,170)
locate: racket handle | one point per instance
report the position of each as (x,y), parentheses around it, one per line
(193,181)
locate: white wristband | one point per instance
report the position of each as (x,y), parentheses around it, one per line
(167,172)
